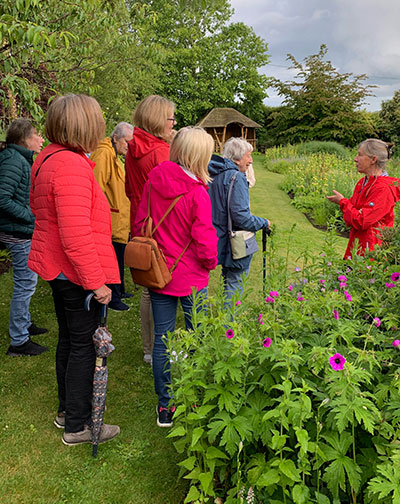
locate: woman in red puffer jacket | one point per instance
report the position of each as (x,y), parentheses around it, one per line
(72,250)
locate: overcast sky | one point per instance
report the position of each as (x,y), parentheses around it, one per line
(362,36)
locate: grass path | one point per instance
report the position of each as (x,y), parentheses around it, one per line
(139,467)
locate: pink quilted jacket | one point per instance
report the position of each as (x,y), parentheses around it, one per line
(72,232)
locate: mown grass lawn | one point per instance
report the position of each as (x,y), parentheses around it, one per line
(140,466)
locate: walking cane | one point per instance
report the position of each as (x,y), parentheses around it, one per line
(264,248)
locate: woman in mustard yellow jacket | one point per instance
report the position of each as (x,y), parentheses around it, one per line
(110,175)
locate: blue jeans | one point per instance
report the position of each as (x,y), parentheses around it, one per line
(232,282)
(25,281)
(164,314)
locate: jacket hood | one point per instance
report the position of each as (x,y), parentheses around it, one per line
(142,143)
(219,164)
(170,181)
(393,183)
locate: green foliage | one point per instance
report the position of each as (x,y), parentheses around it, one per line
(264,412)
(323,147)
(390,119)
(321,104)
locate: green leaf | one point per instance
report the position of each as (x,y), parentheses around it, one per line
(321,498)
(196,435)
(193,494)
(177,431)
(205,480)
(188,463)
(289,469)
(214,453)
(300,494)
(268,478)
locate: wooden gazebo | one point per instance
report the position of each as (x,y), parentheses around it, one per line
(224,123)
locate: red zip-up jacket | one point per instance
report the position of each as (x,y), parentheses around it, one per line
(145,151)
(369,209)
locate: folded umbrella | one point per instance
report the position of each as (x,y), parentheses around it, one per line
(102,340)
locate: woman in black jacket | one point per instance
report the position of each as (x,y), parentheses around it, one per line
(16,228)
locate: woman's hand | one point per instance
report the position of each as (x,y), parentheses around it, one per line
(336,197)
(102,294)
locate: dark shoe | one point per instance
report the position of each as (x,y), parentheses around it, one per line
(119,306)
(126,295)
(28,348)
(34,330)
(107,433)
(164,416)
(59,421)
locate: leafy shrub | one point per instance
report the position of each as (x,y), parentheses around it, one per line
(296,399)
(324,148)
(282,165)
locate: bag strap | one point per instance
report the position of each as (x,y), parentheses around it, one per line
(150,230)
(46,158)
(229,201)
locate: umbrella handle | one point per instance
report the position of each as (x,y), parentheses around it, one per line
(103,313)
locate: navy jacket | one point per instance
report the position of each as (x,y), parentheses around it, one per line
(16,217)
(222,170)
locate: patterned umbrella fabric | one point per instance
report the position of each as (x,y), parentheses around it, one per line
(102,340)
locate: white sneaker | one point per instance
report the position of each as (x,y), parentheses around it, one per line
(148,359)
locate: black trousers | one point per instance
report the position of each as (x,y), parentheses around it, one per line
(119,289)
(75,357)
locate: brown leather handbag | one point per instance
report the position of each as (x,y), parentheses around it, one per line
(145,259)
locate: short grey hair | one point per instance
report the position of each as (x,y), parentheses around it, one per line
(374,147)
(235,148)
(120,130)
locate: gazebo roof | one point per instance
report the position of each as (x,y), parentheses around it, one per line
(219,117)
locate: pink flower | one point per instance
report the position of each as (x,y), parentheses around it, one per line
(389,285)
(274,294)
(290,288)
(337,362)
(377,321)
(323,289)
(260,319)
(348,296)
(297,269)
(262,322)
(342,278)
(229,334)
(322,281)
(238,303)
(267,342)
(396,343)
(342,285)
(269,299)
(299,297)
(335,314)
(395,276)
(372,280)
(335,290)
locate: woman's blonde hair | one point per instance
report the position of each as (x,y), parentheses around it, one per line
(374,147)
(151,113)
(192,148)
(76,122)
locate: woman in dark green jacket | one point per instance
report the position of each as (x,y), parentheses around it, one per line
(16,228)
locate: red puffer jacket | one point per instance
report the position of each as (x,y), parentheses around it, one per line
(145,151)
(72,232)
(368,210)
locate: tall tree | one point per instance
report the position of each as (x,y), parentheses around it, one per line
(321,103)
(389,119)
(207,62)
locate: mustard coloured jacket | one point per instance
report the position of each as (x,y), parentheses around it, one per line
(110,175)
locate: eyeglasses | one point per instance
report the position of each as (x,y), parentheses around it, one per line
(173,119)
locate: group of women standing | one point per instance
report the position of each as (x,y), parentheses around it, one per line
(71,244)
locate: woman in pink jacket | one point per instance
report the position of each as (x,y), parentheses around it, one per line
(188,225)
(72,250)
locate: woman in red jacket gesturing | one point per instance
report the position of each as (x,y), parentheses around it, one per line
(71,249)
(371,206)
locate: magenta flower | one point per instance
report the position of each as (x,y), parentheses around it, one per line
(267,342)
(229,334)
(389,285)
(269,299)
(274,294)
(260,319)
(337,362)
(377,321)
(396,343)
(290,288)
(342,278)
(297,269)
(322,281)
(395,276)
(342,285)
(335,290)
(348,296)
(335,314)
(329,263)
(238,303)
(299,297)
